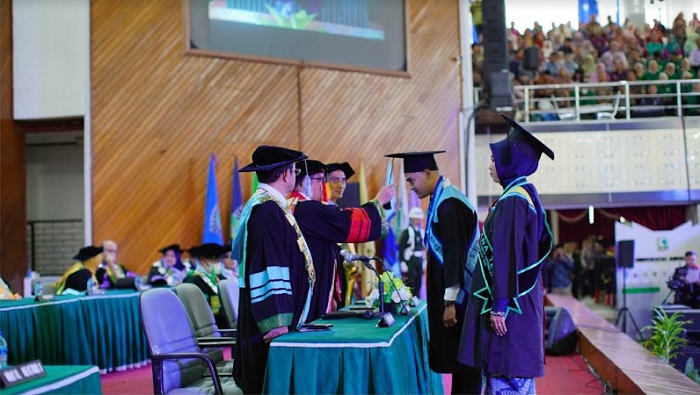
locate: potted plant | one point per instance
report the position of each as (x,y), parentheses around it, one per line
(667,335)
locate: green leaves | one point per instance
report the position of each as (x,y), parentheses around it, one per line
(666,340)
(299,20)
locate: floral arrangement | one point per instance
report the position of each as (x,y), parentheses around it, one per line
(392,293)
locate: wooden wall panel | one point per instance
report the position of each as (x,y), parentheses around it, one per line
(158,113)
(13,206)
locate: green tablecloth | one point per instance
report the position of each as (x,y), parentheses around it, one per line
(103,330)
(355,357)
(64,380)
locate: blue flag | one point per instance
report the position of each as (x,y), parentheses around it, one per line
(236,200)
(391,247)
(213,232)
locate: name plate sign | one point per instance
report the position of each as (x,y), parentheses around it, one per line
(21,373)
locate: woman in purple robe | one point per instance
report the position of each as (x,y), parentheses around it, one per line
(503,329)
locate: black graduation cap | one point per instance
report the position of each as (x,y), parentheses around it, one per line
(313,167)
(87,252)
(268,157)
(417,161)
(526,142)
(209,250)
(174,247)
(345,167)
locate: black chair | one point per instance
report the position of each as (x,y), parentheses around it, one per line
(178,364)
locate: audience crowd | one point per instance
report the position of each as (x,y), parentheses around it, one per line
(604,53)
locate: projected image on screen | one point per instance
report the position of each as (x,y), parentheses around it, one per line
(367,35)
(357,18)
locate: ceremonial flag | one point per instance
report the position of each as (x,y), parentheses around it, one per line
(213,232)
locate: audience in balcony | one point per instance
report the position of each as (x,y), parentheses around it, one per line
(626,53)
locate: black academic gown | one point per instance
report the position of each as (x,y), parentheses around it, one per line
(78,280)
(271,249)
(455,228)
(324,227)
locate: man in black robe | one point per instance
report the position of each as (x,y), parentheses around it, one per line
(323,228)
(276,270)
(450,237)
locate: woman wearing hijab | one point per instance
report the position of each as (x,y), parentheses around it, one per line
(169,270)
(503,329)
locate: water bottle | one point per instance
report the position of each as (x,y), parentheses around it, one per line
(90,286)
(38,289)
(3,352)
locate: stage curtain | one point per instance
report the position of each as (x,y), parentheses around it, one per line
(574,226)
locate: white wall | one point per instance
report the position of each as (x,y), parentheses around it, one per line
(525,13)
(666,11)
(54,182)
(617,161)
(50,58)
(657,254)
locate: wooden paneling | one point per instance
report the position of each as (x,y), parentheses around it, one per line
(13,208)
(158,113)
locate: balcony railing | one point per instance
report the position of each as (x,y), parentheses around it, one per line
(622,100)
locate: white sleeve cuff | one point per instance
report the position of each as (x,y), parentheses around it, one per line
(451,292)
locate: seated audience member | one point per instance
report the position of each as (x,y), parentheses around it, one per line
(88,259)
(209,271)
(169,270)
(6,293)
(230,265)
(110,271)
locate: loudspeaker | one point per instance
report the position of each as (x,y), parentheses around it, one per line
(560,332)
(501,90)
(625,253)
(531,60)
(495,46)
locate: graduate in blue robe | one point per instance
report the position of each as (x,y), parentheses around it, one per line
(450,238)
(503,330)
(276,273)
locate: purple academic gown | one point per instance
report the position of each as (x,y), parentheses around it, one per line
(516,230)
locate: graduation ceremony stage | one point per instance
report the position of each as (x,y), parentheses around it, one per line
(355,357)
(619,360)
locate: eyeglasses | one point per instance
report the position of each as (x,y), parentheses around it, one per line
(317,178)
(296,171)
(336,180)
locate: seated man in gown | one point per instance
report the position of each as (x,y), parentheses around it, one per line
(209,271)
(110,273)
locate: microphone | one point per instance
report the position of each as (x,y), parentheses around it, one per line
(350,257)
